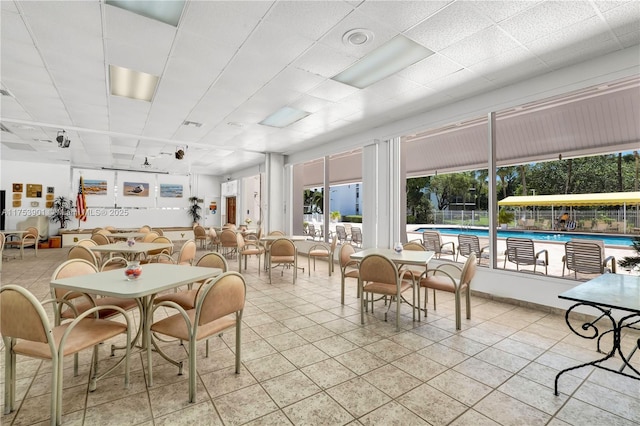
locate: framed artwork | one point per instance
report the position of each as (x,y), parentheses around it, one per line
(49,189)
(170,190)
(49,197)
(135,189)
(95,186)
(34,190)
(49,204)
(17,187)
(17,196)
(17,203)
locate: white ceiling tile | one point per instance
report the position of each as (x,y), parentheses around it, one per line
(564,57)
(630,39)
(332,91)
(499,10)
(453,23)
(324,61)
(219,21)
(461,83)
(605,5)
(296,79)
(401,14)
(624,19)
(294,15)
(279,42)
(485,44)
(545,18)
(310,103)
(429,69)
(511,65)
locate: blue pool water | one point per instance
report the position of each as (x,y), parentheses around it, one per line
(560,237)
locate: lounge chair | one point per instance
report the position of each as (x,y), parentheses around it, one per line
(587,257)
(521,251)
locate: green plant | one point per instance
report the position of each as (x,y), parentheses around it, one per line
(505,216)
(194,209)
(632,262)
(335,215)
(61,211)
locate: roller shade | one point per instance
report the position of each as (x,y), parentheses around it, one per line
(603,199)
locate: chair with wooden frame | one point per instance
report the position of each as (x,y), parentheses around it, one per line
(521,251)
(219,306)
(451,278)
(26,331)
(324,251)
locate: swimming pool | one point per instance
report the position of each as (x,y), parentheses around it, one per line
(559,237)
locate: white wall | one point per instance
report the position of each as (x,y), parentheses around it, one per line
(131,212)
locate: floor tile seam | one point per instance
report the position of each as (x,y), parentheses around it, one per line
(586,381)
(17,409)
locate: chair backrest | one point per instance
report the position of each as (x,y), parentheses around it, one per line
(231,226)
(3,238)
(521,251)
(72,268)
(145,229)
(213,235)
(356,235)
(187,253)
(220,296)
(160,232)
(228,238)
(23,317)
(32,232)
(346,250)
(334,244)
(114,263)
(213,260)
(468,270)
(199,231)
(110,228)
(240,241)
(277,233)
(341,233)
(311,229)
(104,232)
(468,244)
(87,242)
(378,268)
(100,239)
(413,246)
(282,247)
(585,257)
(163,240)
(432,241)
(82,252)
(150,236)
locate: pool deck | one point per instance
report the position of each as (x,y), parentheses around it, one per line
(555,249)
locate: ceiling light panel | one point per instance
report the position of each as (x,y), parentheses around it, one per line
(284,117)
(395,55)
(132,84)
(167,11)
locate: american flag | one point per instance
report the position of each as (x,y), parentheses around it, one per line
(81,203)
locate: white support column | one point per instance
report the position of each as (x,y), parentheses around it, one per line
(326,201)
(297,199)
(493,202)
(274,209)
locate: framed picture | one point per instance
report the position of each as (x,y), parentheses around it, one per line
(170,190)
(49,204)
(49,197)
(17,196)
(17,203)
(49,189)
(135,189)
(95,186)
(17,187)
(34,190)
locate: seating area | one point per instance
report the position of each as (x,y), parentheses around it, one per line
(306,358)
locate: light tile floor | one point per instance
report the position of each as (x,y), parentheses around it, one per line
(306,359)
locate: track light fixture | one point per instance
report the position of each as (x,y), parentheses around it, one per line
(62,139)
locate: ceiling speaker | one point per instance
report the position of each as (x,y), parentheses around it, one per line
(179,154)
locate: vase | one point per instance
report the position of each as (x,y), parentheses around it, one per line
(133,270)
(398,248)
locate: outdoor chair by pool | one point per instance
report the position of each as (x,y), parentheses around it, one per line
(521,251)
(356,236)
(470,244)
(453,279)
(432,241)
(587,257)
(341,234)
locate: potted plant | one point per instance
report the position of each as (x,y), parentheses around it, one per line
(194,210)
(335,216)
(505,217)
(61,211)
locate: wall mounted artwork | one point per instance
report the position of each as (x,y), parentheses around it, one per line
(34,190)
(169,190)
(135,189)
(95,187)
(17,187)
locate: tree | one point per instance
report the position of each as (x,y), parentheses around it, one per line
(419,209)
(448,186)
(314,200)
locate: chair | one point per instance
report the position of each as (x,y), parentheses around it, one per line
(379,275)
(114,263)
(150,236)
(200,235)
(246,249)
(228,242)
(231,226)
(219,306)
(521,252)
(349,268)
(186,255)
(322,250)
(160,232)
(587,257)
(341,234)
(187,298)
(26,330)
(100,239)
(152,255)
(432,241)
(2,241)
(356,236)
(530,224)
(144,229)
(82,252)
(214,241)
(29,239)
(468,244)
(283,252)
(442,278)
(408,273)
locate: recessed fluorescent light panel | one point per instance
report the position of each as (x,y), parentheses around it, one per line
(132,84)
(167,11)
(393,56)
(284,117)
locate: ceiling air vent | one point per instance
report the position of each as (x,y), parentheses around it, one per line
(191,123)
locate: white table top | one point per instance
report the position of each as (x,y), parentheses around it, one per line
(289,237)
(14,231)
(156,277)
(618,291)
(405,257)
(126,235)
(123,247)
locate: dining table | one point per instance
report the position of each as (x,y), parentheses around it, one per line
(615,299)
(126,235)
(155,278)
(133,251)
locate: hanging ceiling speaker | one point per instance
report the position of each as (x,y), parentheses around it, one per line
(62,139)
(179,154)
(146,163)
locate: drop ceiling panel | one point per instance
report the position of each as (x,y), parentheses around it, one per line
(221,22)
(486,44)
(295,15)
(401,18)
(324,61)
